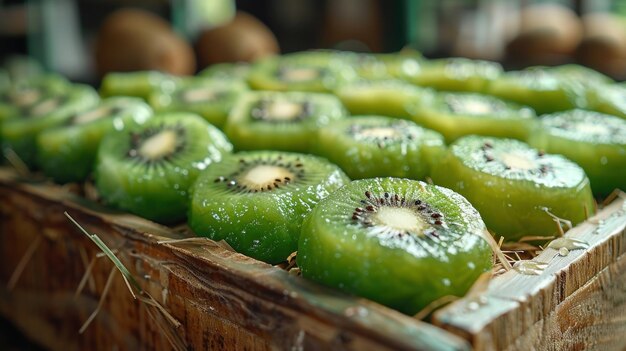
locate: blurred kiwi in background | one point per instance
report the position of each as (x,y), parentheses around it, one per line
(134,40)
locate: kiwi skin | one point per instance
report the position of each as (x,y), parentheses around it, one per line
(347,258)
(515,206)
(157,191)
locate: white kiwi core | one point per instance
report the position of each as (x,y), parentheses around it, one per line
(400,219)
(262,175)
(284,110)
(517,161)
(477,107)
(199,94)
(595,129)
(45,107)
(159,145)
(378,132)
(300,74)
(91,116)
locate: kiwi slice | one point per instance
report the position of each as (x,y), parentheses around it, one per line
(148,169)
(581,74)
(51,110)
(284,121)
(538,88)
(375,146)
(514,186)
(257,200)
(227,71)
(595,141)
(19,97)
(67,153)
(138,84)
(300,72)
(423,241)
(457,114)
(380,97)
(388,66)
(210,98)
(455,74)
(609,99)
(23,68)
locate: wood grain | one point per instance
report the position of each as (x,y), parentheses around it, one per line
(577,303)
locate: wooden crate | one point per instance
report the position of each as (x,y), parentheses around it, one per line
(210,298)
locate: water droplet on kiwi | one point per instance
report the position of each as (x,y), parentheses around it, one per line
(529,267)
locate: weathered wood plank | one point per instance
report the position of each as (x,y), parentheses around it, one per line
(578,302)
(221,299)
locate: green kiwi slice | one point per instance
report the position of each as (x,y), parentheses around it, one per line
(67,153)
(544,91)
(138,84)
(212,99)
(380,97)
(595,141)
(23,68)
(19,97)
(227,71)
(300,72)
(51,110)
(256,201)
(580,74)
(455,74)
(375,146)
(400,242)
(457,114)
(515,187)
(388,66)
(148,169)
(284,121)
(609,99)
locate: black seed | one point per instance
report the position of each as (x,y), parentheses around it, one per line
(435,215)
(541,153)
(358,209)
(387,195)
(269,187)
(288,179)
(438,222)
(354,217)
(370,208)
(278,180)
(298,164)
(487,145)
(368,194)
(276,185)
(421,208)
(418,202)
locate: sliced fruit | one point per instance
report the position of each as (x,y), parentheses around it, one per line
(51,110)
(313,72)
(516,189)
(381,97)
(67,153)
(256,201)
(213,99)
(148,169)
(538,88)
(455,74)
(375,146)
(423,241)
(285,121)
(458,114)
(138,84)
(227,71)
(595,141)
(609,99)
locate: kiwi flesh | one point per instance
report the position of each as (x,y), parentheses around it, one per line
(595,141)
(376,146)
(286,121)
(148,169)
(457,114)
(227,71)
(608,99)
(212,99)
(455,74)
(399,242)
(544,91)
(137,84)
(67,153)
(22,95)
(20,133)
(515,187)
(380,97)
(256,201)
(313,72)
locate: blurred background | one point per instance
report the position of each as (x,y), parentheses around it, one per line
(81,38)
